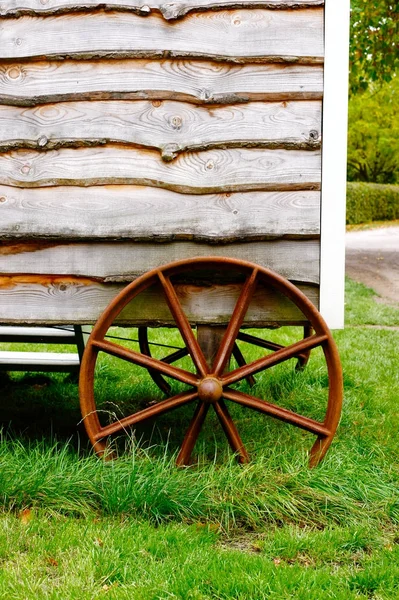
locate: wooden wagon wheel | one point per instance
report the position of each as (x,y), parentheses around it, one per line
(164,385)
(211,386)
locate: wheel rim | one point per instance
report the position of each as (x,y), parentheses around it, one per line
(211,386)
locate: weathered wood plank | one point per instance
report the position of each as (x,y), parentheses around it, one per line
(124,261)
(58,300)
(169,11)
(211,171)
(172,127)
(235,36)
(194,81)
(153,214)
(38,361)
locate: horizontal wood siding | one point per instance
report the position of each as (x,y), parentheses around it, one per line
(136,133)
(171,127)
(232,36)
(55,300)
(169,10)
(125,261)
(198,82)
(211,171)
(153,214)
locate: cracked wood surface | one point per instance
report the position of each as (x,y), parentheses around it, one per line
(229,36)
(170,127)
(197,82)
(117,261)
(153,214)
(63,300)
(211,171)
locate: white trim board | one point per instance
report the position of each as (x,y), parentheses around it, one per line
(333,193)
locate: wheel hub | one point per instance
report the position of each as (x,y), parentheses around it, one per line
(210,390)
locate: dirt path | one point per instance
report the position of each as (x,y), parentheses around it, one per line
(372,258)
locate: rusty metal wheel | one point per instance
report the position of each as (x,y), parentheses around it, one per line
(212,386)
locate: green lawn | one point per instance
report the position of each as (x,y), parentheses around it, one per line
(75,527)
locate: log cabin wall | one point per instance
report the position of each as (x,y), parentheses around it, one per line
(135,133)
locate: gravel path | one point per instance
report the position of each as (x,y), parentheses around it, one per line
(372,258)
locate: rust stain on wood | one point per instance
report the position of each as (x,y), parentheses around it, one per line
(61,281)
(21,247)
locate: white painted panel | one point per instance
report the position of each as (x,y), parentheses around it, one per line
(335,108)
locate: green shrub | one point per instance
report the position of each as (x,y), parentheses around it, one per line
(371,202)
(373,135)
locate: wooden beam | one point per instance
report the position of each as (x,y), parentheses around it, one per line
(171,128)
(169,11)
(153,214)
(212,171)
(125,261)
(198,82)
(39,361)
(228,36)
(60,300)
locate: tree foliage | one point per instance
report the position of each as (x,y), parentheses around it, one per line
(374,52)
(373,135)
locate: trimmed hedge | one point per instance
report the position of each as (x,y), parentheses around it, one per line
(371,202)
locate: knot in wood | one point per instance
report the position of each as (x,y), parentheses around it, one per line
(176,122)
(210,390)
(14,73)
(3,199)
(25,170)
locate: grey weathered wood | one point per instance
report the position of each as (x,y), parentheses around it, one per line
(235,169)
(172,127)
(60,300)
(152,214)
(209,340)
(169,10)
(294,259)
(194,81)
(46,361)
(236,36)
(38,335)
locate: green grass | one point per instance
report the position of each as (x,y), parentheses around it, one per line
(75,527)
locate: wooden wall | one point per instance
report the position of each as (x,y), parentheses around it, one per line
(133,133)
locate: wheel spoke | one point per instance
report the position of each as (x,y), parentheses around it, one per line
(157,378)
(276,411)
(145,361)
(273,359)
(237,318)
(183,325)
(238,355)
(147,413)
(303,359)
(192,434)
(171,358)
(230,431)
(255,341)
